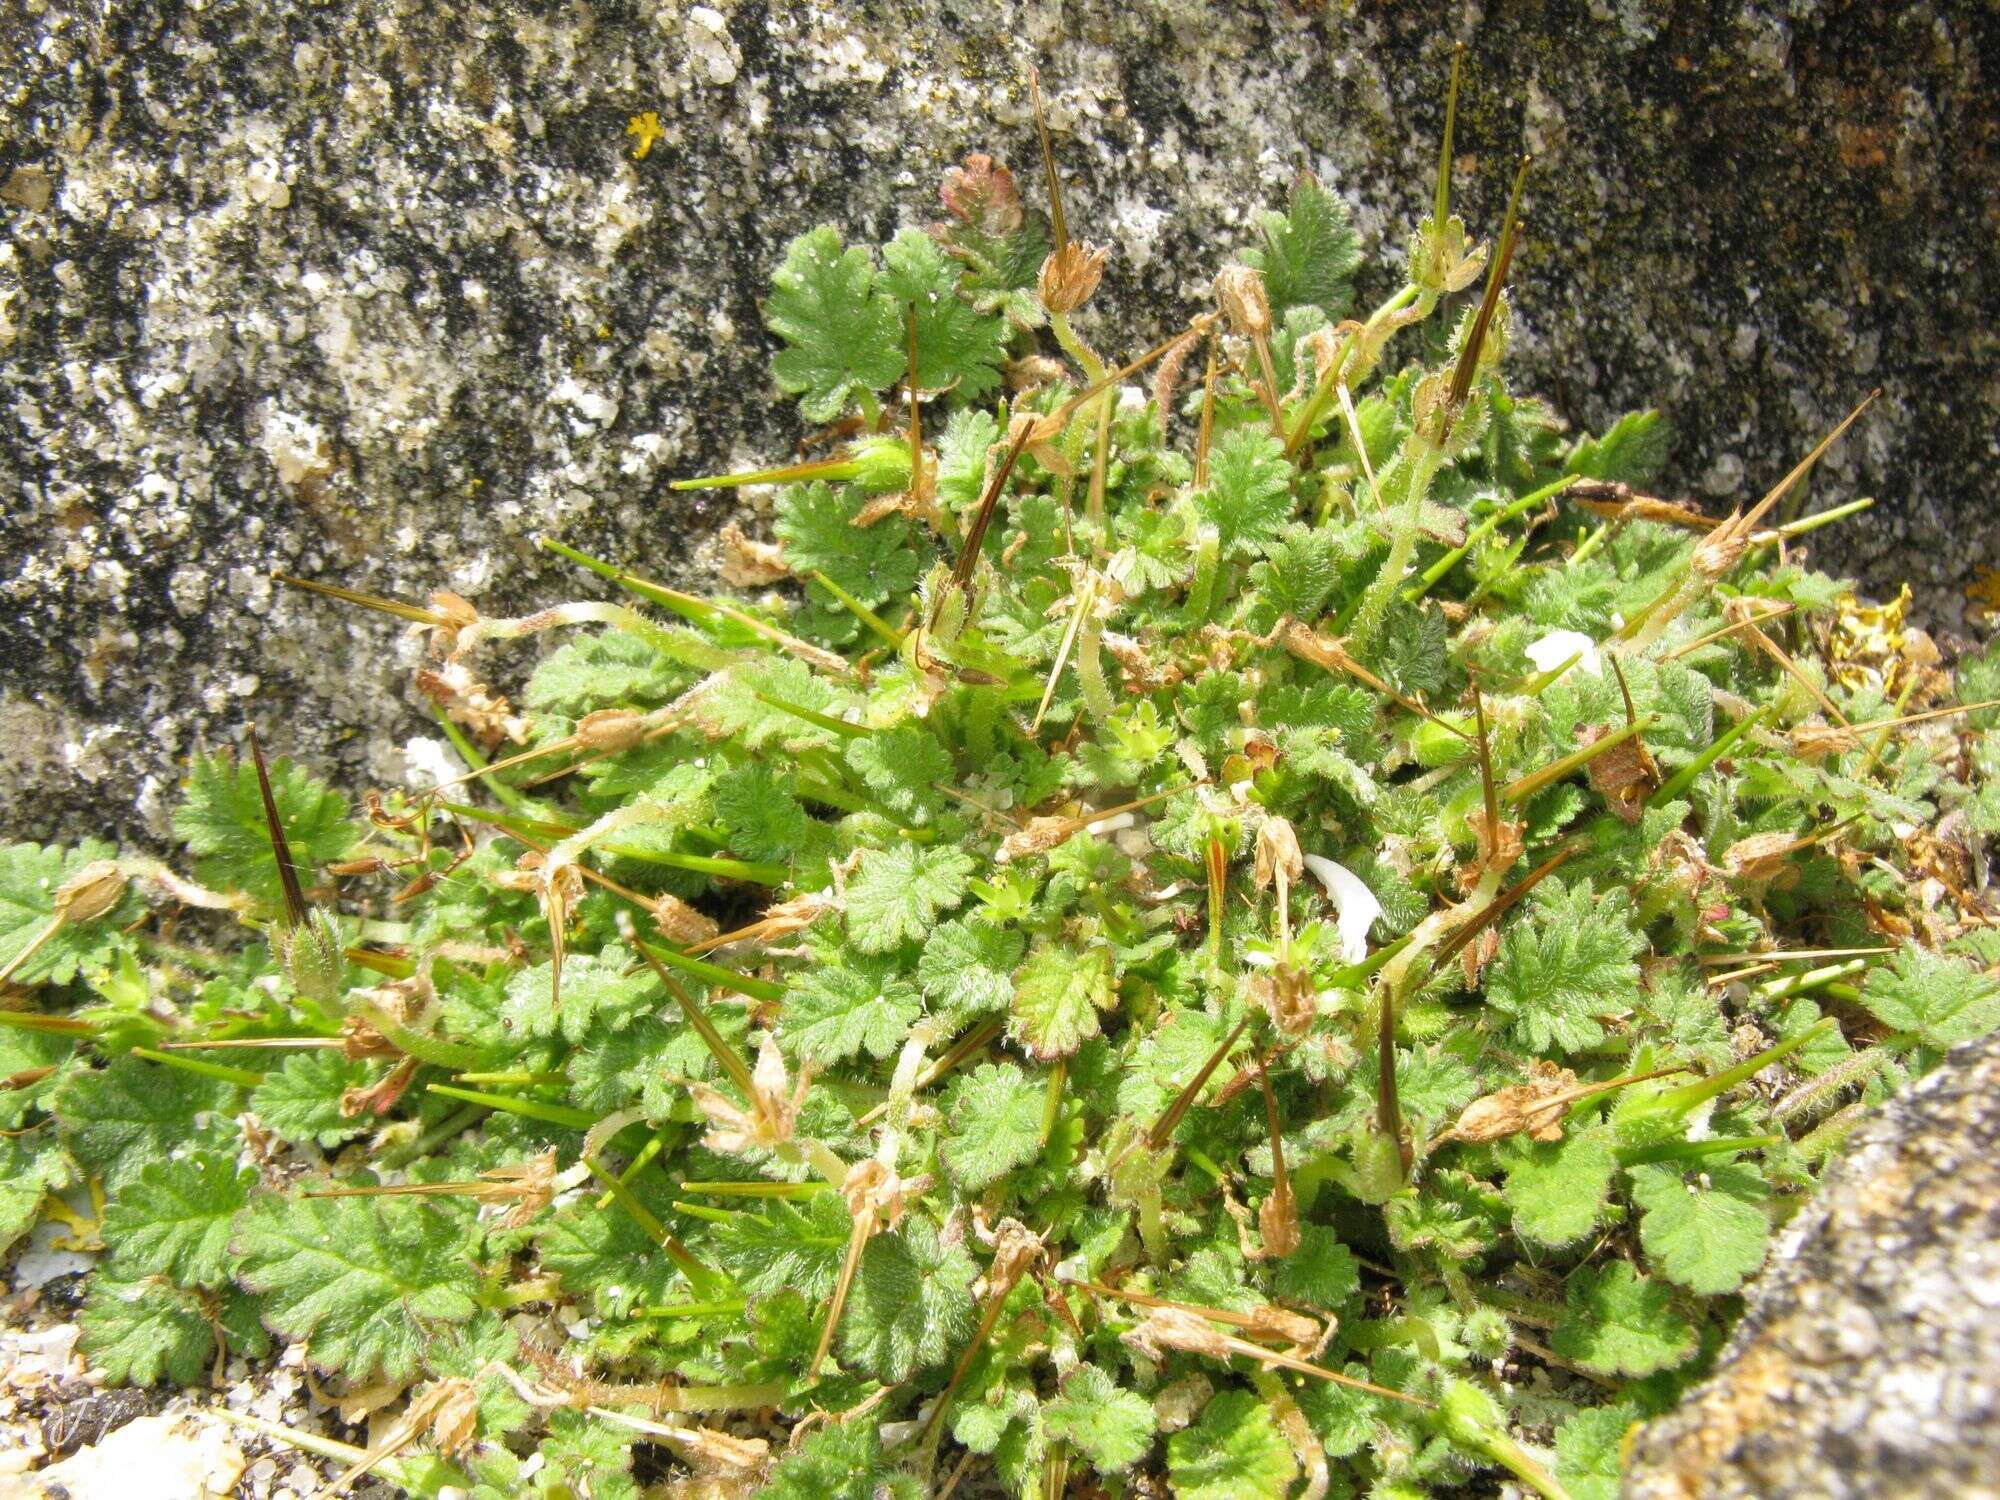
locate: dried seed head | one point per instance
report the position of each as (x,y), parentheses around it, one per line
(1016,1248)
(529,1186)
(1268,1322)
(455,1421)
(873,1189)
(458,611)
(1762,856)
(1031,372)
(1069,276)
(610,730)
(773,1113)
(1278,854)
(1278,1222)
(1168,1328)
(90,892)
(1625,775)
(1816,741)
(1288,997)
(1498,850)
(747,562)
(1039,836)
(1240,290)
(1534,1106)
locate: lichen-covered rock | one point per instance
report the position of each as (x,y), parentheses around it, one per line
(1868,1361)
(377,292)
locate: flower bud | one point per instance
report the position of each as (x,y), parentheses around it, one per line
(315,957)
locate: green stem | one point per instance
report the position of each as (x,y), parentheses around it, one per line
(430,1140)
(474,761)
(715,974)
(529,1109)
(1812,979)
(1483,530)
(704,1280)
(241,1077)
(1689,1096)
(704,864)
(1375,602)
(1682,779)
(725,1306)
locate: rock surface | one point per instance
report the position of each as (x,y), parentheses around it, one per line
(375,293)
(1868,1361)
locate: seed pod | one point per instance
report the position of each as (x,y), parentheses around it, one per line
(679,923)
(1240,290)
(610,730)
(90,892)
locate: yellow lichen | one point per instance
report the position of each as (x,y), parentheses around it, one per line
(644,130)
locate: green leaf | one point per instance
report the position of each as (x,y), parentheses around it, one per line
(1565,966)
(29,878)
(996,1125)
(174,1220)
(1708,1233)
(956,346)
(586,1456)
(140,1330)
(840,1461)
(833,1014)
(784,1246)
(1235,1452)
(764,820)
(1587,1449)
(910,1306)
(966,967)
(26,1177)
(364,1281)
(842,335)
(1942,1000)
(897,893)
(1556,1190)
(1110,1427)
(1632,452)
(874,563)
(1057,996)
(1321,1273)
(222,823)
(595,987)
(1617,1322)
(1249,496)
(604,1254)
(602,670)
(1308,253)
(300,1101)
(902,767)
(117,1121)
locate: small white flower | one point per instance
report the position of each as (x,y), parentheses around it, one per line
(1354,905)
(1558,646)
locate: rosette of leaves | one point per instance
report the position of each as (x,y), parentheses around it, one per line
(1266,919)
